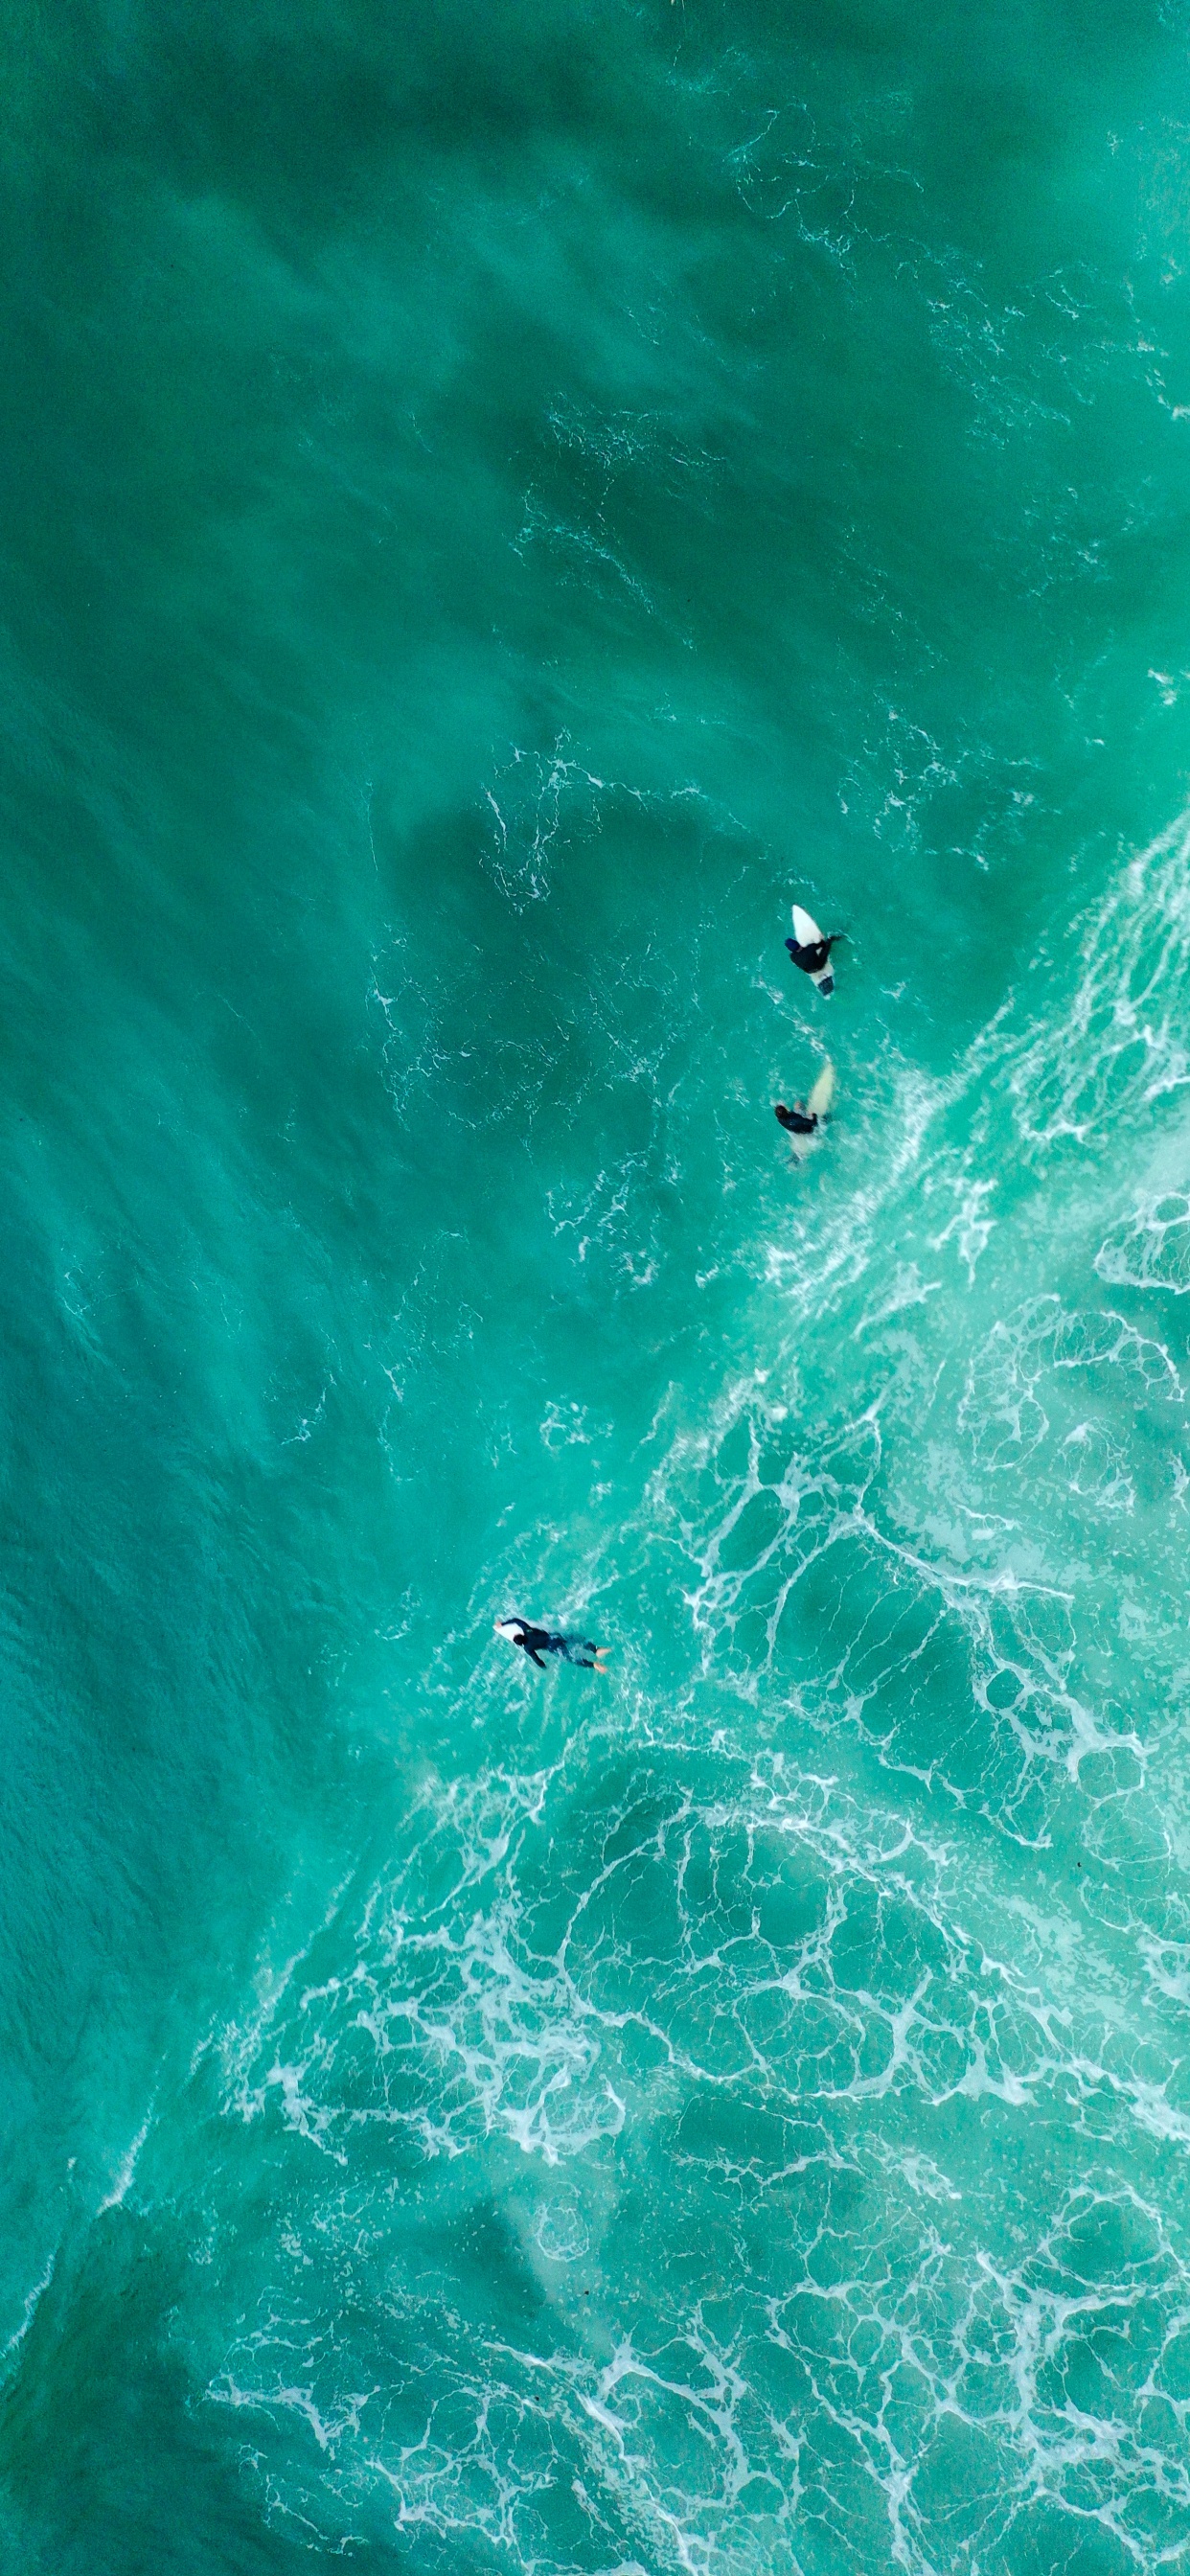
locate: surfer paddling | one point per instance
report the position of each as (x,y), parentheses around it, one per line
(812,952)
(536,1643)
(798,1121)
(805,1120)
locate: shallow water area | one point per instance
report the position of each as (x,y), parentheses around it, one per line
(496,510)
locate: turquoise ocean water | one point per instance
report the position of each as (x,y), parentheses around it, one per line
(497,501)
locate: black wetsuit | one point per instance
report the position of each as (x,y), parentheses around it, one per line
(798,1122)
(813,957)
(537,1642)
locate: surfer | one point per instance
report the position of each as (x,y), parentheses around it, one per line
(803,1122)
(798,1121)
(538,1642)
(812,952)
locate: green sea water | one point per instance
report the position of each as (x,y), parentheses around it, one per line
(496,503)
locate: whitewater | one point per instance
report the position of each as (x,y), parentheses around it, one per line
(497,509)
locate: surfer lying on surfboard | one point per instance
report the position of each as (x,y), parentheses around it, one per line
(536,1642)
(803,1122)
(811,951)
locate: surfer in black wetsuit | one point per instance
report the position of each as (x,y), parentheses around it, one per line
(814,956)
(539,1642)
(798,1121)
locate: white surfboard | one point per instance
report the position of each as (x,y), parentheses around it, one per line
(805,928)
(823,1093)
(807,934)
(819,1106)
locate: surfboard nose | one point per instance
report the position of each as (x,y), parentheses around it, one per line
(827,986)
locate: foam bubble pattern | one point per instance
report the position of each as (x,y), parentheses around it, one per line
(1122,1044)
(788,1998)
(665,2143)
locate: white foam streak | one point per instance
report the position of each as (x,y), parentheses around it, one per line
(124,2178)
(797,1968)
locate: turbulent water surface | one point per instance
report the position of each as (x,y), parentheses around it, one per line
(496,501)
